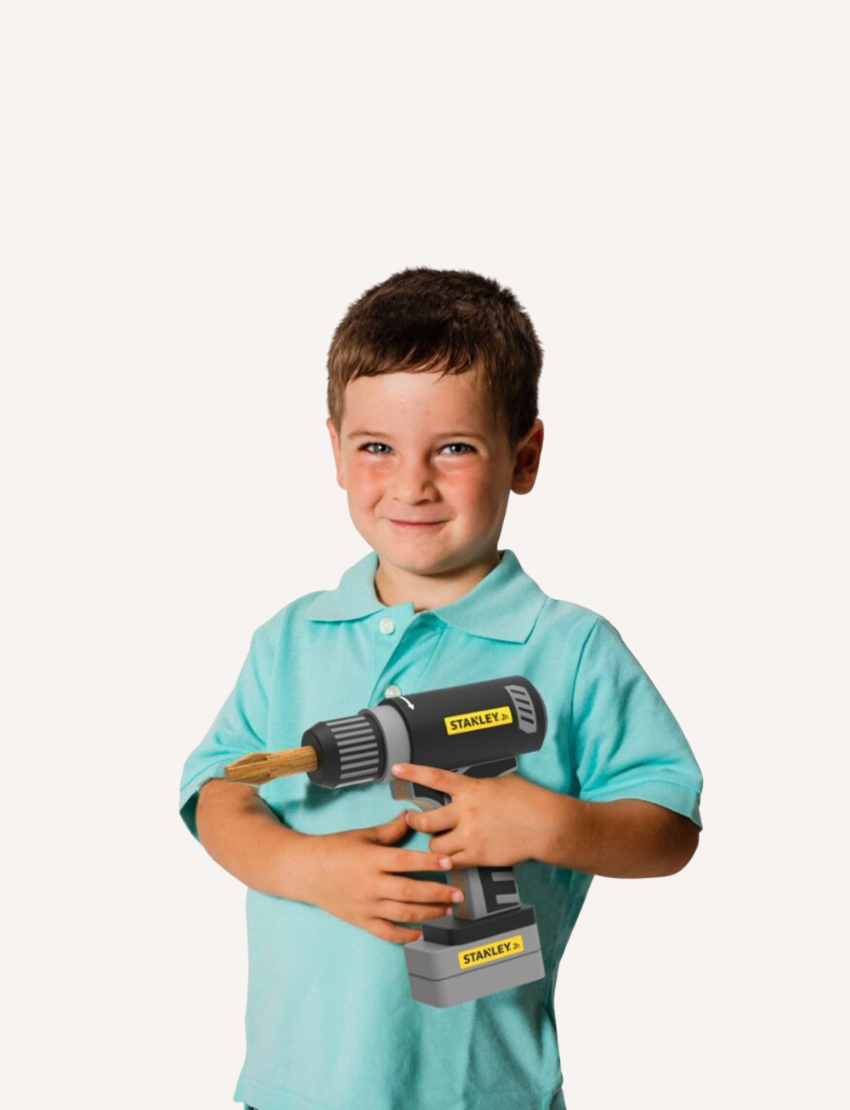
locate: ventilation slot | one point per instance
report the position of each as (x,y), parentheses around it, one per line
(526,715)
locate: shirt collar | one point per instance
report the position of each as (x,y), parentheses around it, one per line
(504,605)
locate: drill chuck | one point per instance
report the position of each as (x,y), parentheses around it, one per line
(349,750)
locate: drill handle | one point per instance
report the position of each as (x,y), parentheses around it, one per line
(487,890)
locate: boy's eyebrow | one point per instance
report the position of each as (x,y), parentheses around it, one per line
(386,435)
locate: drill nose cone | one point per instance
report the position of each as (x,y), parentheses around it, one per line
(350,750)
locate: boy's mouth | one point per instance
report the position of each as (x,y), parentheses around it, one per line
(417,523)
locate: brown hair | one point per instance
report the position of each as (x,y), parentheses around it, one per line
(449,320)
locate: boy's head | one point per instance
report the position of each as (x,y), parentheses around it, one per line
(443,319)
(432,394)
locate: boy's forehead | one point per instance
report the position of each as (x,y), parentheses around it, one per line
(422,396)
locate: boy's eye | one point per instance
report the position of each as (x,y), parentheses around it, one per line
(382,448)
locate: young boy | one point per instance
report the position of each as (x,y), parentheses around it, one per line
(432,395)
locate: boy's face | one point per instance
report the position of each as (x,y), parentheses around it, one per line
(428,471)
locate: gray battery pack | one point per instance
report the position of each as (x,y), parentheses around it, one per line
(464,966)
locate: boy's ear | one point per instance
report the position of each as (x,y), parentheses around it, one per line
(527,459)
(337,452)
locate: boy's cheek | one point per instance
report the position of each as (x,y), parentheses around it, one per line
(365,483)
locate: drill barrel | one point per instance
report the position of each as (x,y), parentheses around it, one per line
(461,726)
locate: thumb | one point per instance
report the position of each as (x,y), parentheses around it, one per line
(391,830)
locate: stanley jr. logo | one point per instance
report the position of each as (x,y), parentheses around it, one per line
(486,953)
(469,722)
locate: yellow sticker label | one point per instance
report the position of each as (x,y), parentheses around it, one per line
(486,953)
(470,722)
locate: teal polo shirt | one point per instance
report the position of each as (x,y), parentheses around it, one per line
(330,1022)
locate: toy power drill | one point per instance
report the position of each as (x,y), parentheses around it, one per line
(490,942)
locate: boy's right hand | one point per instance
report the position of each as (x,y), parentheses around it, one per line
(354,877)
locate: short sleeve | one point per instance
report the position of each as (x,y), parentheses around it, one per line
(626,743)
(239,728)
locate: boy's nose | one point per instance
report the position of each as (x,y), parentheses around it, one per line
(413,482)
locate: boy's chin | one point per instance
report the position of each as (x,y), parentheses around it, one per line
(421,562)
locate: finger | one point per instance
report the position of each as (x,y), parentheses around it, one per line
(448,782)
(390,831)
(433,820)
(407,859)
(395,934)
(419,892)
(446,844)
(406,911)
(460,859)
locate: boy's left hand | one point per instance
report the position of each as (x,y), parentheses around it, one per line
(488,822)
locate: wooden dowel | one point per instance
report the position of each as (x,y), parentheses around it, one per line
(260,767)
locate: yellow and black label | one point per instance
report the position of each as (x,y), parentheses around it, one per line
(486,953)
(486,718)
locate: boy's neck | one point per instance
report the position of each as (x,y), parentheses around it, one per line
(395,586)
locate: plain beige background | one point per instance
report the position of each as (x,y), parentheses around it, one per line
(192,196)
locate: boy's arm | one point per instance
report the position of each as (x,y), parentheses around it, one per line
(623,839)
(507,819)
(246,838)
(357,875)
(623,744)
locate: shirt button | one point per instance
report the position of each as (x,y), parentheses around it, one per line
(392,691)
(387,625)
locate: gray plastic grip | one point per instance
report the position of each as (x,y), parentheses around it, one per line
(397,740)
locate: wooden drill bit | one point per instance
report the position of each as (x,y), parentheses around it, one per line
(260,767)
